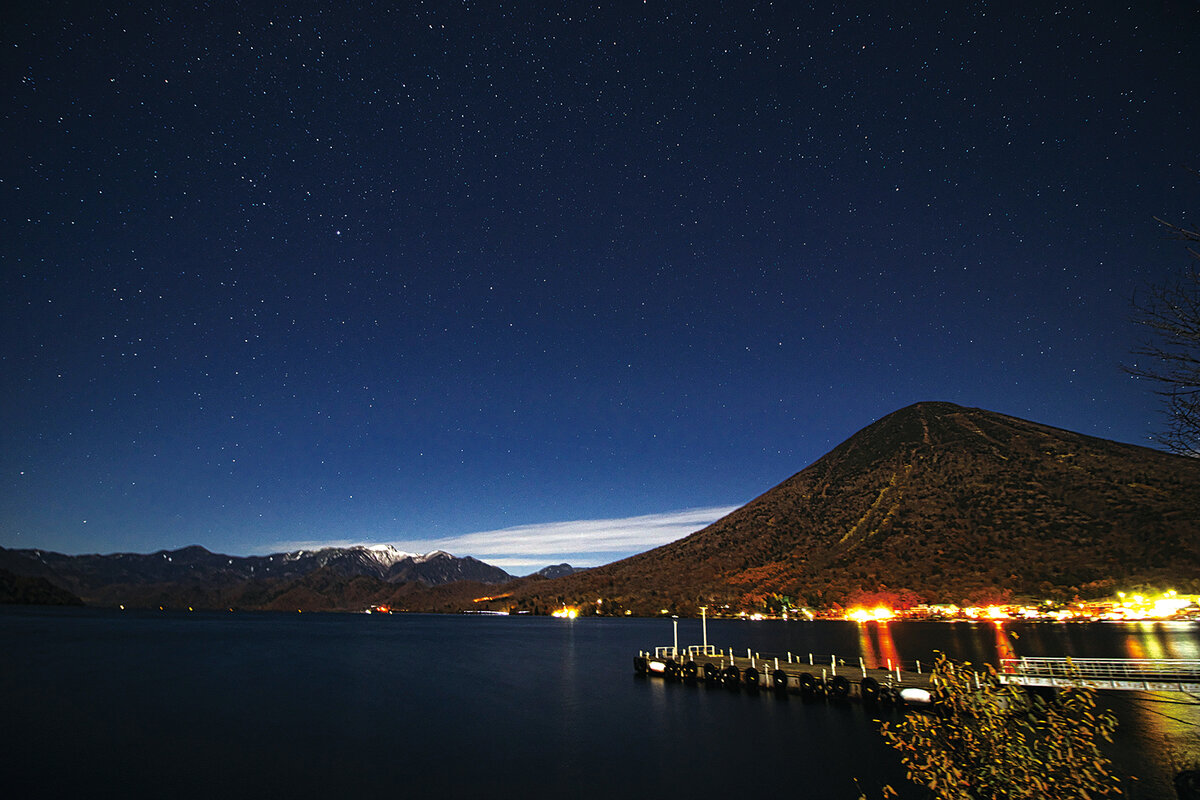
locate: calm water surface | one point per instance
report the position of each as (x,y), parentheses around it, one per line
(141,704)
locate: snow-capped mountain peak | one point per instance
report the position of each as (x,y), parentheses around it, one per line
(431,555)
(387,554)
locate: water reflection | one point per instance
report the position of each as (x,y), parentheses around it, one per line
(876,646)
(986,642)
(1135,647)
(865,649)
(1161,640)
(1042,639)
(1182,644)
(1159,733)
(1004,647)
(973,642)
(658,695)
(888,655)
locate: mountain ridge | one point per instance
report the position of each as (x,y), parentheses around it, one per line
(933,502)
(121,578)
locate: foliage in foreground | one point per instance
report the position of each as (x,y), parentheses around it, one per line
(981,739)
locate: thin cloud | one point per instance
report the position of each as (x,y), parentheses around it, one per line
(584,542)
(591,539)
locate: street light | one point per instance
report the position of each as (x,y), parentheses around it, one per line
(675,625)
(704,625)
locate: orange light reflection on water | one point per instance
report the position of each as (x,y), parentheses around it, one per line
(1135,647)
(887,647)
(876,645)
(1154,640)
(865,647)
(1004,648)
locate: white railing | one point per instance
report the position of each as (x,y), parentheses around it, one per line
(1133,669)
(1145,674)
(693,650)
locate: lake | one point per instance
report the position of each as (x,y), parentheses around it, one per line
(142,704)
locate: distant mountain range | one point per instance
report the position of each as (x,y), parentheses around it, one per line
(215,580)
(934,503)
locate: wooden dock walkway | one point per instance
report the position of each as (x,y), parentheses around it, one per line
(834,677)
(807,675)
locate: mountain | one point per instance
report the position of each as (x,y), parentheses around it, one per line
(22,590)
(438,567)
(194,576)
(934,502)
(556,571)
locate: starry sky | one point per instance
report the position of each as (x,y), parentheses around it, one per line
(539,282)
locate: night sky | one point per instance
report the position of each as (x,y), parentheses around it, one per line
(281,274)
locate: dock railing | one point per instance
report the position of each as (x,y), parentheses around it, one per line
(1103,673)
(693,651)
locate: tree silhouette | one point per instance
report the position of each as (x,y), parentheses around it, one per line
(1170,315)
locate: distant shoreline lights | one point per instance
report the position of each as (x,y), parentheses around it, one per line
(1124,608)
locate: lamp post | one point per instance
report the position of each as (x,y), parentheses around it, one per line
(675,625)
(704,625)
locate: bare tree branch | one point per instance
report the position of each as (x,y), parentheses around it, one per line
(1170,355)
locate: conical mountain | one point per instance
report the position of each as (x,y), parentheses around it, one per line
(934,502)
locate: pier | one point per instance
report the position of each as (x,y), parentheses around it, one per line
(830,676)
(807,675)
(811,678)
(1121,674)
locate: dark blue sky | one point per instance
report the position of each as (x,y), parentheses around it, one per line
(277,273)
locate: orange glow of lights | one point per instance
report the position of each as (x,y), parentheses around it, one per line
(877,614)
(1139,607)
(565,613)
(1168,606)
